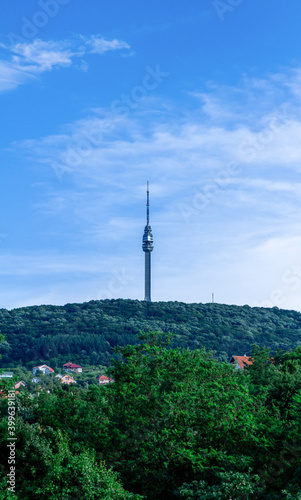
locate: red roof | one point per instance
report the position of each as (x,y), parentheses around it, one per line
(103,377)
(71,365)
(242,361)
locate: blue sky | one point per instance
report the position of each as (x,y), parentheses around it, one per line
(202,99)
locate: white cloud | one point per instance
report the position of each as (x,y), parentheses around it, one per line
(26,60)
(185,151)
(98,45)
(42,56)
(11,76)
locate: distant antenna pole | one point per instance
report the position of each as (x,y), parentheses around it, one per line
(147,204)
(213,298)
(147,247)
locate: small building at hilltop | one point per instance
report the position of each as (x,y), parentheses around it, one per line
(72,367)
(241,362)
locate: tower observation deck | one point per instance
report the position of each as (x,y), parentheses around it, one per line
(147,247)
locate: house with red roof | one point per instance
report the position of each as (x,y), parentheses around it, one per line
(241,362)
(103,380)
(42,368)
(72,367)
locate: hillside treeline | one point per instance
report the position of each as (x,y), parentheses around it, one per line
(88,332)
(175,424)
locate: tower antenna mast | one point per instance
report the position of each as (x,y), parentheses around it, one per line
(147,247)
(147,204)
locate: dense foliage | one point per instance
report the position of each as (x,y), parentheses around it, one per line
(175,424)
(87,333)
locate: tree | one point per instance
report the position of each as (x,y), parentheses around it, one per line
(49,470)
(176,414)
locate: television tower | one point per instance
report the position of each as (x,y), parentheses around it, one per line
(147,247)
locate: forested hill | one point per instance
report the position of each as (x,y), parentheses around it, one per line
(86,333)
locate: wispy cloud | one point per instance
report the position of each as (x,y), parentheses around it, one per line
(108,147)
(40,56)
(98,45)
(24,61)
(11,76)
